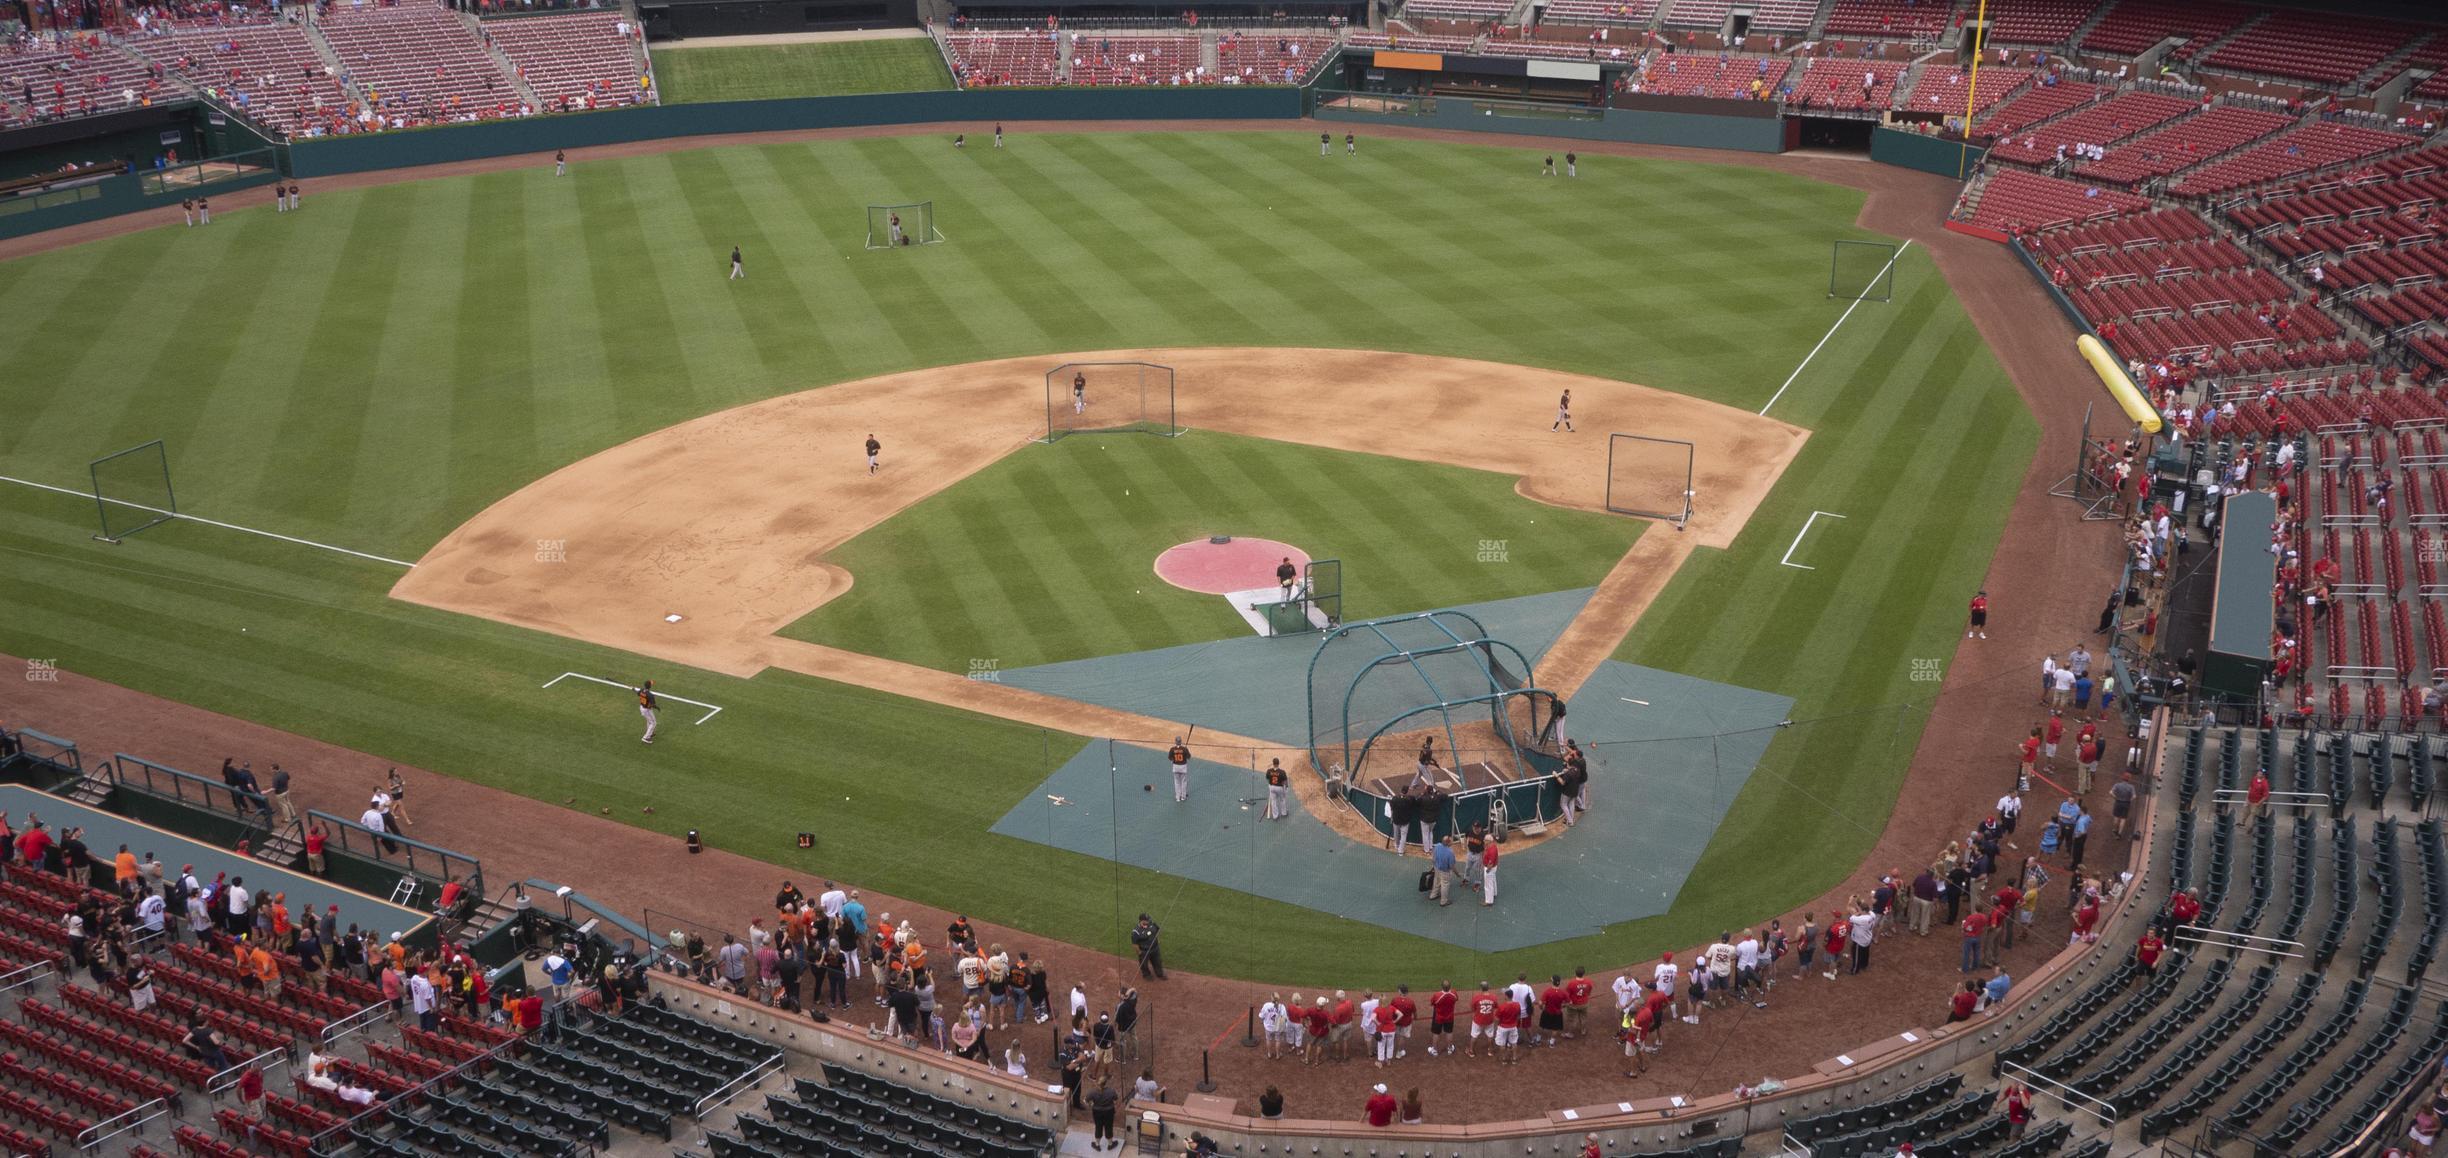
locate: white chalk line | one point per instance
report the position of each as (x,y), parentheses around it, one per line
(210,522)
(575,675)
(1823,339)
(1806,526)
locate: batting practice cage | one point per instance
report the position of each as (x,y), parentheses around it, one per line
(1429,698)
(132,490)
(1650,477)
(1862,271)
(1110,397)
(1317,605)
(895,225)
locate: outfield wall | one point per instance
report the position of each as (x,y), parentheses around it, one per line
(1945,156)
(328,156)
(1753,134)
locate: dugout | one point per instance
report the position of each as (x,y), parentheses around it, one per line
(2241,618)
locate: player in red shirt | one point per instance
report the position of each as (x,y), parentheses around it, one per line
(1406,1011)
(1441,1019)
(1577,998)
(1978,624)
(1508,1030)
(2029,752)
(2051,738)
(1483,1017)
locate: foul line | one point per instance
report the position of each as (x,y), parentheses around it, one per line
(1806,526)
(1840,320)
(572,675)
(210,522)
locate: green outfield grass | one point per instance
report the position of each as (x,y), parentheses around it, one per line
(372,371)
(1042,557)
(754,72)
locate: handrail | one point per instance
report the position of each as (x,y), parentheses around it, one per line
(231,1076)
(736,1086)
(342,1027)
(382,1105)
(101,1132)
(141,774)
(348,834)
(60,748)
(20,978)
(2063,1093)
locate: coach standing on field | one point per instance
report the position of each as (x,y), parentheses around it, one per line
(1179,756)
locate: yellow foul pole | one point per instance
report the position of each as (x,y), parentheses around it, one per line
(1980,42)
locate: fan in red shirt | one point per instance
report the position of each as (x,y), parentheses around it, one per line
(1406,1011)
(1387,1022)
(1965,1001)
(1551,1002)
(1577,997)
(1483,1006)
(2256,797)
(2147,952)
(1321,1023)
(1380,1108)
(1441,1019)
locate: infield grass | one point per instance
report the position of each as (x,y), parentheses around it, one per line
(753,72)
(375,369)
(1048,555)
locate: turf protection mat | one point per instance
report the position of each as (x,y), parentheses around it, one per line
(1662,775)
(1253,686)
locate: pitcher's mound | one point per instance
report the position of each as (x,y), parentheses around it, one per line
(1223,568)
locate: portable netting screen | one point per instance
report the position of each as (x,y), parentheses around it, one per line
(132,490)
(1110,397)
(1862,271)
(894,226)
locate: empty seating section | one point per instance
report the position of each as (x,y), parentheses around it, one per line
(2182,144)
(2134,25)
(1477,11)
(42,81)
(1949,90)
(269,69)
(2016,200)
(1916,19)
(993,59)
(1831,83)
(1264,58)
(2037,21)
(574,60)
(1696,74)
(2301,151)
(2317,47)
(1784,15)
(1415,41)
(417,62)
(2104,123)
(1637,14)
(2033,105)
(1133,59)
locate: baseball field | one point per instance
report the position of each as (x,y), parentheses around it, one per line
(545,393)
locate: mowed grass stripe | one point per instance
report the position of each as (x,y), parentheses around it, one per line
(496,331)
(1046,556)
(640,336)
